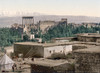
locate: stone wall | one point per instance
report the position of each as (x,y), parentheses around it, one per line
(41,69)
(87,62)
(98,40)
(45,25)
(88,38)
(28,50)
(76,47)
(48,51)
(64,68)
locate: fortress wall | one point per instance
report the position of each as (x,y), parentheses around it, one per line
(46,24)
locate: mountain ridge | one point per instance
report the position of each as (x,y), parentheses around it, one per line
(6,21)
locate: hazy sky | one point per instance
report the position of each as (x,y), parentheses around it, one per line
(55,7)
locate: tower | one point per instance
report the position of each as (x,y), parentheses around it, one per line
(27,22)
(64,20)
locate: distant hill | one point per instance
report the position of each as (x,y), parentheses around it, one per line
(8,21)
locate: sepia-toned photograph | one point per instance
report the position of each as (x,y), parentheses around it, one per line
(49,36)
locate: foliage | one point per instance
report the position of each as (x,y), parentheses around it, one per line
(63,30)
(25,37)
(8,36)
(61,56)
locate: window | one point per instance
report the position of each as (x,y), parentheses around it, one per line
(50,51)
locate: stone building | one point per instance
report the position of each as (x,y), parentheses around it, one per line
(63,20)
(63,39)
(89,25)
(27,22)
(89,37)
(87,60)
(45,25)
(29,49)
(16,26)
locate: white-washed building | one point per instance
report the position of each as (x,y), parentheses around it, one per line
(48,51)
(29,49)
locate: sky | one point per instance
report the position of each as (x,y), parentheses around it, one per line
(52,7)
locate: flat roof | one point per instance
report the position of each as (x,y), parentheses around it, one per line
(43,44)
(75,43)
(48,62)
(89,35)
(94,49)
(64,38)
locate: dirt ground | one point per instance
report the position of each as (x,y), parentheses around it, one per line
(21,67)
(25,68)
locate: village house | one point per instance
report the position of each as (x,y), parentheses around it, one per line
(62,39)
(30,49)
(89,37)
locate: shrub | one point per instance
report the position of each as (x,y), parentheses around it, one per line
(61,56)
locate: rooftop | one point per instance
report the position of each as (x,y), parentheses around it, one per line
(43,44)
(89,34)
(58,44)
(64,38)
(94,49)
(48,62)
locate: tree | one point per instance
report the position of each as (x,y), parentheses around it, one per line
(63,30)
(25,37)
